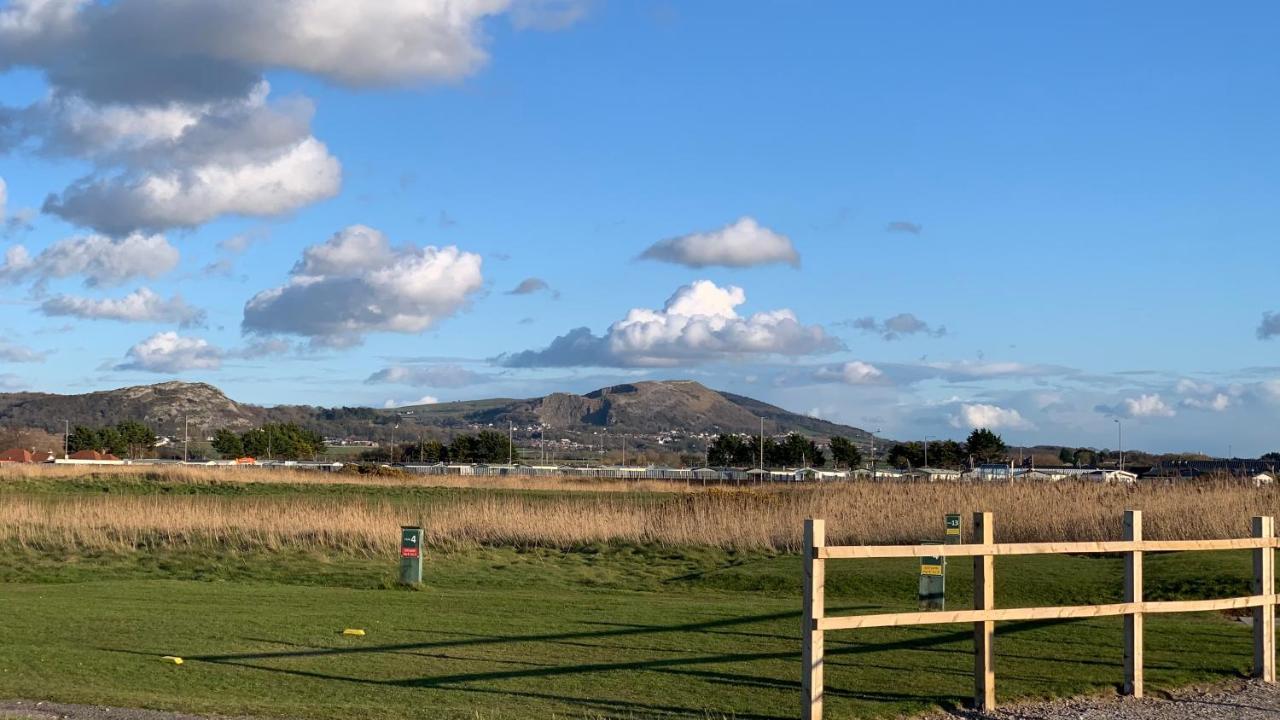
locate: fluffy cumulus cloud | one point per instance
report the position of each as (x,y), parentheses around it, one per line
(167,100)
(740,244)
(100,260)
(169,352)
(356,283)
(699,323)
(142,305)
(893,328)
(448,376)
(1199,395)
(852,373)
(1146,405)
(992,417)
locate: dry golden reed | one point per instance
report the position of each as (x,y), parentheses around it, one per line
(768,518)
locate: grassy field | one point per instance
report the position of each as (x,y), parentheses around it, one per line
(553,625)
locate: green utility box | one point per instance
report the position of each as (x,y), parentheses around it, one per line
(933,583)
(933,569)
(410,556)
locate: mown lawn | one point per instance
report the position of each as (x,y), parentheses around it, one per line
(605,631)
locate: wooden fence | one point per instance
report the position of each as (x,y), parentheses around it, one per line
(984,614)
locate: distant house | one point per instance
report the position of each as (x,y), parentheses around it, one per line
(932,474)
(17,455)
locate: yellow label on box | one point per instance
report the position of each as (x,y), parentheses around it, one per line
(930,569)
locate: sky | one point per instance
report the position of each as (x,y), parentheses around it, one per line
(1052,220)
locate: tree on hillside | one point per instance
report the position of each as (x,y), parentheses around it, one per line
(796,450)
(906,455)
(228,444)
(844,452)
(138,439)
(282,441)
(1067,456)
(487,446)
(985,446)
(84,438)
(730,451)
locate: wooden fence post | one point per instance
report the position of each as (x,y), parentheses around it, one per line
(815,579)
(1264,616)
(1133,622)
(984,598)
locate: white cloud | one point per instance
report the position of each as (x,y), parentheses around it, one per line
(356,283)
(1147,405)
(424,400)
(221,48)
(142,305)
(169,352)
(744,243)
(183,165)
(168,100)
(426,376)
(18,354)
(853,373)
(992,417)
(4,198)
(698,324)
(102,261)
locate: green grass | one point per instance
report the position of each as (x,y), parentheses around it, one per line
(603,631)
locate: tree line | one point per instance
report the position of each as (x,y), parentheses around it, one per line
(982,446)
(130,439)
(486,446)
(272,441)
(794,450)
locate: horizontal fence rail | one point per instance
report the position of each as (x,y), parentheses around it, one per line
(1263,601)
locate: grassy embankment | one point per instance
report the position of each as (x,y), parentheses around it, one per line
(546,603)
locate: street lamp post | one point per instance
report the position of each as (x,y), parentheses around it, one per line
(927,438)
(1120,441)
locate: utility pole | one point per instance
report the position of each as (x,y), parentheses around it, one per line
(926,449)
(186,438)
(762,443)
(873,455)
(624,450)
(511,442)
(1120,441)
(66,438)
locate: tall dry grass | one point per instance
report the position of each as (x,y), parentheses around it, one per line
(768,519)
(203,475)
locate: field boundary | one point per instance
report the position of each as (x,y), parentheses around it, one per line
(984,615)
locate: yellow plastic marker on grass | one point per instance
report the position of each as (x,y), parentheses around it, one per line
(172,659)
(353,632)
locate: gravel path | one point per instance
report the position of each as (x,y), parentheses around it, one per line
(1240,701)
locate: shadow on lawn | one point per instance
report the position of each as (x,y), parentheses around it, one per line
(687,666)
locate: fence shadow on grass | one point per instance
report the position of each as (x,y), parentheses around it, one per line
(688,666)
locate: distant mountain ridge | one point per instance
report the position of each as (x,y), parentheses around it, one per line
(641,408)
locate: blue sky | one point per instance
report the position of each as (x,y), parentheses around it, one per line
(1038,218)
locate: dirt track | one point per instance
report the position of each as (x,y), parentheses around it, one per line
(1239,701)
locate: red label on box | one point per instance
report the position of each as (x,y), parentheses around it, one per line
(409,552)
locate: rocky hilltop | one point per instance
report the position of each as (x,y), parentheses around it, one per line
(164,407)
(641,408)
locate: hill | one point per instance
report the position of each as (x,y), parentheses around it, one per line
(641,408)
